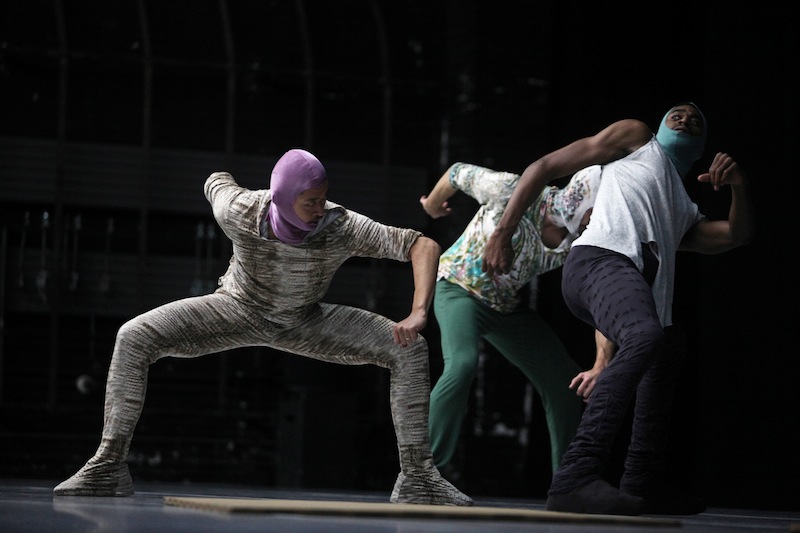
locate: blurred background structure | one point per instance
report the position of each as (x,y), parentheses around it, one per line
(113,112)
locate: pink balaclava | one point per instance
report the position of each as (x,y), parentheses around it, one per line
(296,171)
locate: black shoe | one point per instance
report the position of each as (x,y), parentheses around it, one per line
(596,497)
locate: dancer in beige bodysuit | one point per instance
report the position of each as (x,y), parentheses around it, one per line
(288,243)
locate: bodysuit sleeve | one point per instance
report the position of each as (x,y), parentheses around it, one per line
(235,208)
(373,239)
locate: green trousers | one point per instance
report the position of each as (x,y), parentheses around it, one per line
(522,337)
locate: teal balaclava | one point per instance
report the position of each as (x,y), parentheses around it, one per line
(683,149)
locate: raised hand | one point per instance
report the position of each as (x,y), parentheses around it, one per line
(723,171)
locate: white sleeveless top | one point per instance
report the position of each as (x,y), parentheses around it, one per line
(642,199)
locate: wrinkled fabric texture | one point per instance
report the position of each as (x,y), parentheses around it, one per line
(285,282)
(607,291)
(647,369)
(271,296)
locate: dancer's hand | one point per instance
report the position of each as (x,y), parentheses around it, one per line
(498,256)
(407,330)
(584,383)
(723,171)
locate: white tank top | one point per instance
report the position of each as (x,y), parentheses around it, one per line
(642,199)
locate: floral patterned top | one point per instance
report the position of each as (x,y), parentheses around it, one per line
(461,264)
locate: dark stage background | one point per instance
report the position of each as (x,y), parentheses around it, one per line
(114,112)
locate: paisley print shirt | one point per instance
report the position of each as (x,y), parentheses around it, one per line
(461,264)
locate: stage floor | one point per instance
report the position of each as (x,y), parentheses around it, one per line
(28,506)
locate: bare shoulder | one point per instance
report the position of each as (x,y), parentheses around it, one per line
(624,136)
(629,128)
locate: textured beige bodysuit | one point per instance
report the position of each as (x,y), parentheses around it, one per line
(270,296)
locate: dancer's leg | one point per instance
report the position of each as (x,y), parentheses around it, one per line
(187,328)
(530,344)
(645,458)
(460,335)
(645,464)
(606,290)
(351,336)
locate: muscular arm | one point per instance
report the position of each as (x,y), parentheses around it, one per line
(713,237)
(614,142)
(424,256)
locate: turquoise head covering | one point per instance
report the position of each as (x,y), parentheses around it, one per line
(683,149)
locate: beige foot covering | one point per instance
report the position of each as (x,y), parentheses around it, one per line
(97,478)
(429,489)
(420,482)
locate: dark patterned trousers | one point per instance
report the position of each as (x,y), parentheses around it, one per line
(607,291)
